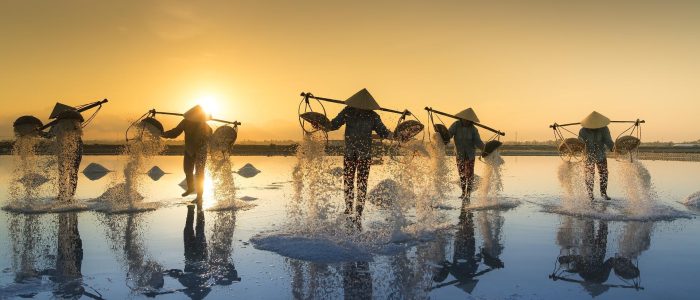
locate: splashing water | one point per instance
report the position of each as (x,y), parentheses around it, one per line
(29,175)
(439,168)
(123,195)
(636,181)
(311,205)
(491,183)
(221,171)
(693,200)
(571,179)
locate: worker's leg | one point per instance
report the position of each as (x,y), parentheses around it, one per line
(349,167)
(589,169)
(188,167)
(461,169)
(200,169)
(363,166)
(469,173)
(603,172)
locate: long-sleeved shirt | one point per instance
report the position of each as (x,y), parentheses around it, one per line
(466,138)
(359,124)
(597,141)
(196,135)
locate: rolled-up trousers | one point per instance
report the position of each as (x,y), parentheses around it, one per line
(194,167)
(360,167)
(590,166)
(465,167)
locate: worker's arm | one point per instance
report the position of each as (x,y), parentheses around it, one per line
(607,139)
(477,139)
(175,132)
(338,121)
(380,128)
(453,129)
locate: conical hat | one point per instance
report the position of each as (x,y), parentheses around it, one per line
(362,100)
(197,114)
(468,114)
(595,120)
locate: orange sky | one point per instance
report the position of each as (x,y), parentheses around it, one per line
(520,64)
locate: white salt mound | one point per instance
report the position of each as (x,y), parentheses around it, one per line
(693,200)
(33,180)
(248,198)
(388,191)
(95,168)
(183,184)
(248,171)
(155,173)
(319,249)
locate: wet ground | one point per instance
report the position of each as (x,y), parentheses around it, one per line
(175,252)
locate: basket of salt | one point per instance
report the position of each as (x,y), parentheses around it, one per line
(626,144)
(317,120)
(151,126)
(490,147)
(407,130)
(572,147)
(27,125)
(223,138)
(443,131)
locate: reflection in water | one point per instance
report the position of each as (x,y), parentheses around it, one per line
(124,231)
(206,264)
(465,263)
(583,251)
(42,248)
(357,280)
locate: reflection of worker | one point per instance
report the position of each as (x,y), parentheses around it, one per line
(360,120)
(196,273)
(69,151)
(467,139)
(69,258)
(465,261)
(590,262)
(596,136)
(197,134)
(357,280)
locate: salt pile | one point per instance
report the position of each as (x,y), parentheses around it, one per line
(248,198)
(95,171)
(33,180)
(248,171)
(693,200)
(95,168)
(155,173)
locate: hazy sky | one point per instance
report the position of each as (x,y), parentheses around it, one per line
(520,64)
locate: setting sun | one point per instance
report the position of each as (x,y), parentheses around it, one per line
(209,103)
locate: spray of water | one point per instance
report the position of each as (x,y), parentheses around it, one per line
(311,207)
(491,183)
(124,195)
(29,175)
(571,179)
(66,150)
(636,181)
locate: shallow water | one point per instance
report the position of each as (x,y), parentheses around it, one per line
(490,254)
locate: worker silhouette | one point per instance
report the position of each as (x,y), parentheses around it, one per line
(360,120)
(595,135)
(197,133)
(68,132)
(467,139)
(588,260)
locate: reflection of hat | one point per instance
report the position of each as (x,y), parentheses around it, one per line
(197,114)
(362,100)
(595,120)
(468,114)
